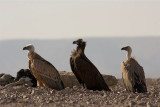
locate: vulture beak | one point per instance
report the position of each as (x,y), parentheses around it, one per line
(25,48)
(124,48)
(75,42)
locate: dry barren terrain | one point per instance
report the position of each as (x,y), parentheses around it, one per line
(18,96)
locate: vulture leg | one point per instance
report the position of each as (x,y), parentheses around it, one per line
(39,83)
(83,86)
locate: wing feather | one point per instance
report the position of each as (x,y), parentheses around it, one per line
(140,83)
(133,76)
(90,74)
(48,73)
(72,64)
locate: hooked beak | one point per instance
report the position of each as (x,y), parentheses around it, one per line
(75,42)
(124,48)
(25,48)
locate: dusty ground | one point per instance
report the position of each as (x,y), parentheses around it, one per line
(27,96)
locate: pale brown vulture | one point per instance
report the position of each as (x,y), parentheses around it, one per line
(45,73)
(133,74)
(86,73)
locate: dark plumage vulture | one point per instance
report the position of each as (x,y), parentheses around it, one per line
(45,73)
(84,70)
(26,73)
(133,74)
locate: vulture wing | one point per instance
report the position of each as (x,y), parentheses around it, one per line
(90,74)
(48,73)
(72,64)
(133,76)
(29,64)
(139,77)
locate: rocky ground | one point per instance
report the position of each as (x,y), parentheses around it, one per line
(19,96)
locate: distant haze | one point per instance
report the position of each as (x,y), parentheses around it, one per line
(105,53)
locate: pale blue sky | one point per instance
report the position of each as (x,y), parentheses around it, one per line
(42,19)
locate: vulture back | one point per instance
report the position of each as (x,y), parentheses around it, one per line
(87,73)
(45,73)
(133,76)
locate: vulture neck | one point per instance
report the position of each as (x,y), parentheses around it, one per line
(30,54)
(129,54)
(80,48)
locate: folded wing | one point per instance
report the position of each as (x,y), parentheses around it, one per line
(133,76)
(48,73)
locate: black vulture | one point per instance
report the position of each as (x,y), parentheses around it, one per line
(85,71)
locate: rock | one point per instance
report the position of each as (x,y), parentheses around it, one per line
(87,102)
(70,80)
(80,95)
(20,88)
(6,79)
(131,103)
(149,105)
(24,96)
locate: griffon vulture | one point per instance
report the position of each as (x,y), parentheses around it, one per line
(133,74)
(45,73)
(86,73)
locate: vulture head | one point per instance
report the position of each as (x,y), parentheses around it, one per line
(29,47)
(129,50)
(81,44)
(78,42)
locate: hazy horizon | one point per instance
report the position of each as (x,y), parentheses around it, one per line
(106,25)
(83,37)
(105,53)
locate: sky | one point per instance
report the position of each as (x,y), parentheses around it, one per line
(57,19)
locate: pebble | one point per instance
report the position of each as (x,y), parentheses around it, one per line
(87,102)
(77,97)
(148,104)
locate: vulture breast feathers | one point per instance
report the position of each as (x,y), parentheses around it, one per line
(73,68)
(45,73)
(133,76)
(84,70)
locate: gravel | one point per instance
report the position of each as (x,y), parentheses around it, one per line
(20,96)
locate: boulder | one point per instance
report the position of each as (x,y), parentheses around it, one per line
(70,80)
(5,79)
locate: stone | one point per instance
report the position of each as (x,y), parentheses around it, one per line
(70,80)
(6,79)
(148,104)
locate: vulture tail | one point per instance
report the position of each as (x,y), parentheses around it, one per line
(140,88)
(62,85)
(106,88)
